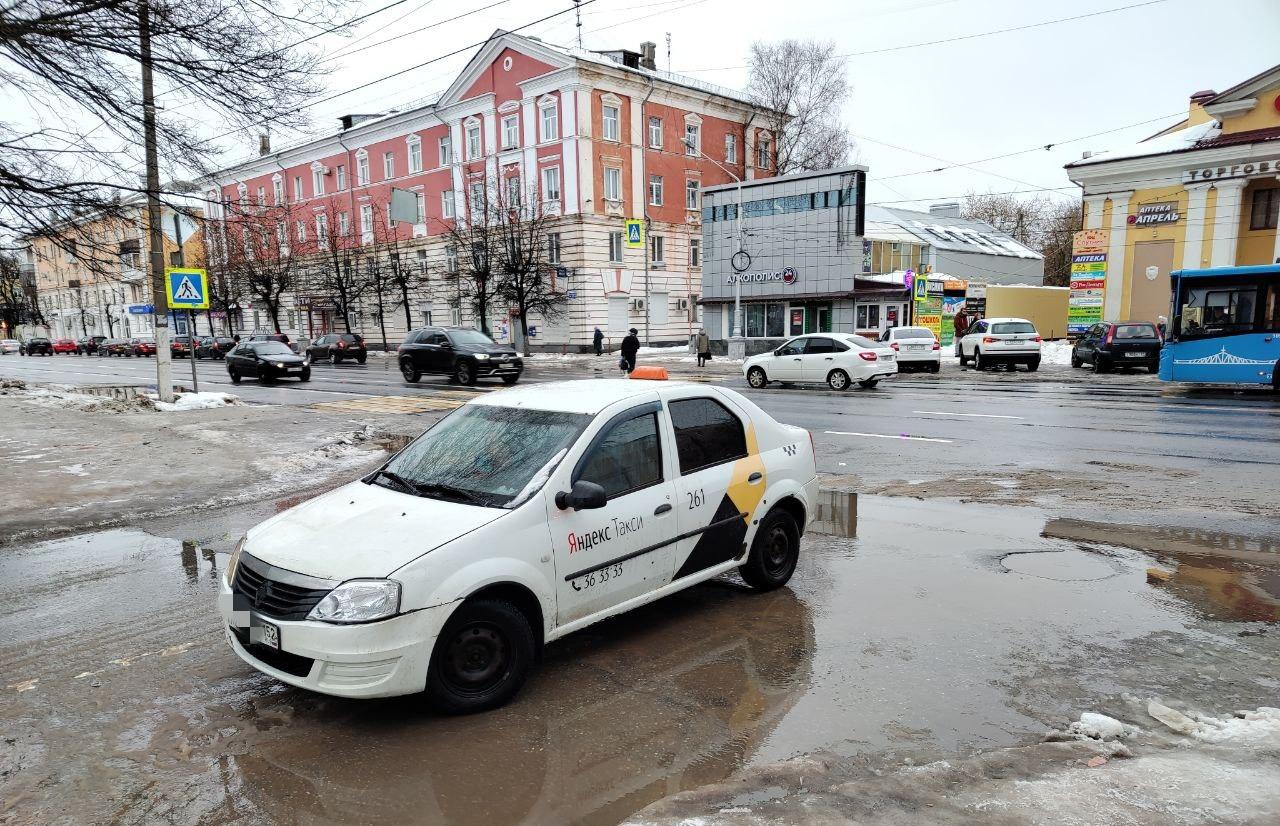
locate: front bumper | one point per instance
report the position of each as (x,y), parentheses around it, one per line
(377,659)
(489,368)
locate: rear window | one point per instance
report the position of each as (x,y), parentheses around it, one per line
(350,338)
(1008,327)
(913,332)
(864,342)
(1136,331)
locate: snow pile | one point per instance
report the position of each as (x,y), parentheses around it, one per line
(63,397)
(1172,142)
(1056,352)
(1253,728)
(344,452)
(194,401)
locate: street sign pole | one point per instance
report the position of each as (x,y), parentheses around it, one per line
(191,314)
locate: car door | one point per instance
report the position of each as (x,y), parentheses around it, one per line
(971,339)
(247,360)
(606,556)
(440,352)
(721,479)
(819,359)
(788,361)
(1086,346)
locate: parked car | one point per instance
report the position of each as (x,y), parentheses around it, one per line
(995,341)
(214,347)
(113,347)
(141,346)
(417,576)
(66,345)
(268,361)
(462,353)
(180,347)
(338,347)
(9,346)
(916,347)
(37,347)
(89,344)
(1119,344)
(836,359)
(280,337)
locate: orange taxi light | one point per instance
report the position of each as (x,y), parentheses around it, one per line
(650,373)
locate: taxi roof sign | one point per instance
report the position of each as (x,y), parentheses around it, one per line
(188,288)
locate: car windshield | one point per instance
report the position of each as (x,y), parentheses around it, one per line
(469,337)
(864,342)
(491,454)
(272,348)
(913,332)
(1135,331)
(1008,327)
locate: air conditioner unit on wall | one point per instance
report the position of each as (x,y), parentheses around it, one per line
(637,304)
(682,304)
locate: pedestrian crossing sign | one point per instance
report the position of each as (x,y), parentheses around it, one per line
(188,289)
(635,233)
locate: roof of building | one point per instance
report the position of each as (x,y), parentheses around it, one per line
(945,233)
(782,179)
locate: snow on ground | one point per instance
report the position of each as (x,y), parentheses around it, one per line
(195,401)
(1056,352)
(347,451)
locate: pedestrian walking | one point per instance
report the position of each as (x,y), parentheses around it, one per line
(630,347)
(704,346)
(598,341)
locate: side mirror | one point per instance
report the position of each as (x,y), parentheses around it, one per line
(584,496)
(778,352)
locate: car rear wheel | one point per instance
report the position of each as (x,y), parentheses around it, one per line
(935,367)
(1101,365)
(867,384)
(1153,368)
(360,359)
(464,373)
(978,362)
(509,380)
(1033,365)
(481,658)
(234,374)
(838,380)
(336,358)
(756,378)
(774,553)
(411,374)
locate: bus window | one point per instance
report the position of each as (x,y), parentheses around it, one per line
(1217,312)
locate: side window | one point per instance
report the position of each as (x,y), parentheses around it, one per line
(792,348)
(820,345)
(981,327)
(706,434)
(627,459)
(437,339)
(839,346)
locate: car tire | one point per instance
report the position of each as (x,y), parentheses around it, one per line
(978,363)
(867,384)
(756,378)
(1076,361)
(1101,365)
(265,378)
(964,360)
(838,380)
(1033,365)
(1153,368)
(235,375)
(411,374)
(481,658)
(935,367)
(774,552)
(335,358)
(360,359)
(464,374)
(510,380)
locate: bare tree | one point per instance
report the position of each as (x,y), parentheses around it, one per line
(799,88)
(340,274)
(475,237)
(526,276)
(1062,221)
(1020,218)
(18,300)
(259,255)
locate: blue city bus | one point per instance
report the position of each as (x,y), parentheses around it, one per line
(1224,326)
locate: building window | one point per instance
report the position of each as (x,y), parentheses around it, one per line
(302,231)
(322,227)
(549,122)
(692,195)
(342,177)
(422,208)
(730,148)
(477,200)
(611,117)
(655,190)
(262,196)
(510,132)
(1266,209)
(366,219)
(656,249)
(513,192)
(655,133)
(692,139)
(612,183)
(446,150)
(446,203)
(451,258)
(553,248)
(473,141)
(388,165)
(297,187)
(762,153)
(868,317)
(615,247)
(695,252)
(362,168)
(344,223)
(551,184)
(317,180)
(766,320)
(277,190)
(415,154)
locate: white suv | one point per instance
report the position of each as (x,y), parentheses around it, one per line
(993,341)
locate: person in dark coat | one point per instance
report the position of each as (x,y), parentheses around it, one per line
(630,347)
(598,341)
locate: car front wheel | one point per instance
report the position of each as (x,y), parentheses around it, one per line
(235,375)
(1076,361)
(411,374)
(481,658)
(464,373)
(774,553)
(360,359)
(306,374)
(756,378)
(838,380)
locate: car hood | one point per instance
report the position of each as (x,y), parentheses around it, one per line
(362,530)
(285,358)
(490,349)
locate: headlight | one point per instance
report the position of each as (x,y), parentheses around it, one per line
(234,561)
(280,364)
(359,600)
(482,356)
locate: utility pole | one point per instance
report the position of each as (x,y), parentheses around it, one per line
(160,311)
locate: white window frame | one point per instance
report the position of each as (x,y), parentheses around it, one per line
(341,177)
(422,208)
(730,148)
(362,167)
(615,247)
(655,190)
(613,174)
(447,204)
(554,249)
(692,129)
(322,229)
(414,145)
(511,132)
(317,178)
(297,187)
(611,122)
(655,132)
(302,231)
(548,120)
(515,197)
(277,189)
(446,150)
(451,258)
(388,165)
(476,200)
(366,219)
(692,194)
(262,196)
(695,252)
(762,151)
(344,223)
(474,140)
(551,184)
(657,249)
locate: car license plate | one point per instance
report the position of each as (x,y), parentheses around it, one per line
(1133,355)
(1015,341)
(264,633)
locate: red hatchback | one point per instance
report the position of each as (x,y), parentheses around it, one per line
(65,345)
(142,347)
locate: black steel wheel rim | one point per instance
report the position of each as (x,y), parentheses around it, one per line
(464,373)
(477,660)
(777,551)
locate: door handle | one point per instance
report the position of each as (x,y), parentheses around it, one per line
(795,359)
(661,509)
(829,358)
(755,477)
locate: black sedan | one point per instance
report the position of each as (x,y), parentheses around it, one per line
(214,347)
(268,361)
(461,353)
(37,347)
(338,347)
(1119,344)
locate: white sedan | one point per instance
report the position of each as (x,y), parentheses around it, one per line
(9,345)
(836,359)
(915,346)
(993,341)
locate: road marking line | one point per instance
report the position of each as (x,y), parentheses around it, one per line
(974,415)
(887,436)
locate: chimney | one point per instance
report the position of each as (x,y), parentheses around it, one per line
(264,144)
(1086,155)
(946,209)
(349,121)
(1203,95)
(648,55)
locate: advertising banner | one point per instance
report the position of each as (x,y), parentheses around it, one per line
(1088,278)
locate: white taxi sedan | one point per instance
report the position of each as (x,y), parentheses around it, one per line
(994,341)
(836,359)
(522,516)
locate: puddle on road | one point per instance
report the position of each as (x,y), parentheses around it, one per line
(1071,565)
(836,513)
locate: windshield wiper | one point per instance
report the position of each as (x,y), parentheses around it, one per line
(403,483)
(449,490)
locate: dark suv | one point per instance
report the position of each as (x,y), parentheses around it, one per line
(1119,344)
(89,344)
(37,346)
(338,347)
(462,353)
(180,347)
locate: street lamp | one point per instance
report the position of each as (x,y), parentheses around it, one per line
(737,344)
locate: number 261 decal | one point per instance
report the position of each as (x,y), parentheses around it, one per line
(696,498)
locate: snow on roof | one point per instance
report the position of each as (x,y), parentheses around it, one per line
(952,234)
(1180,140)
(657,74)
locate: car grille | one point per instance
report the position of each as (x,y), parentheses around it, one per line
(294,664)
(273,598)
